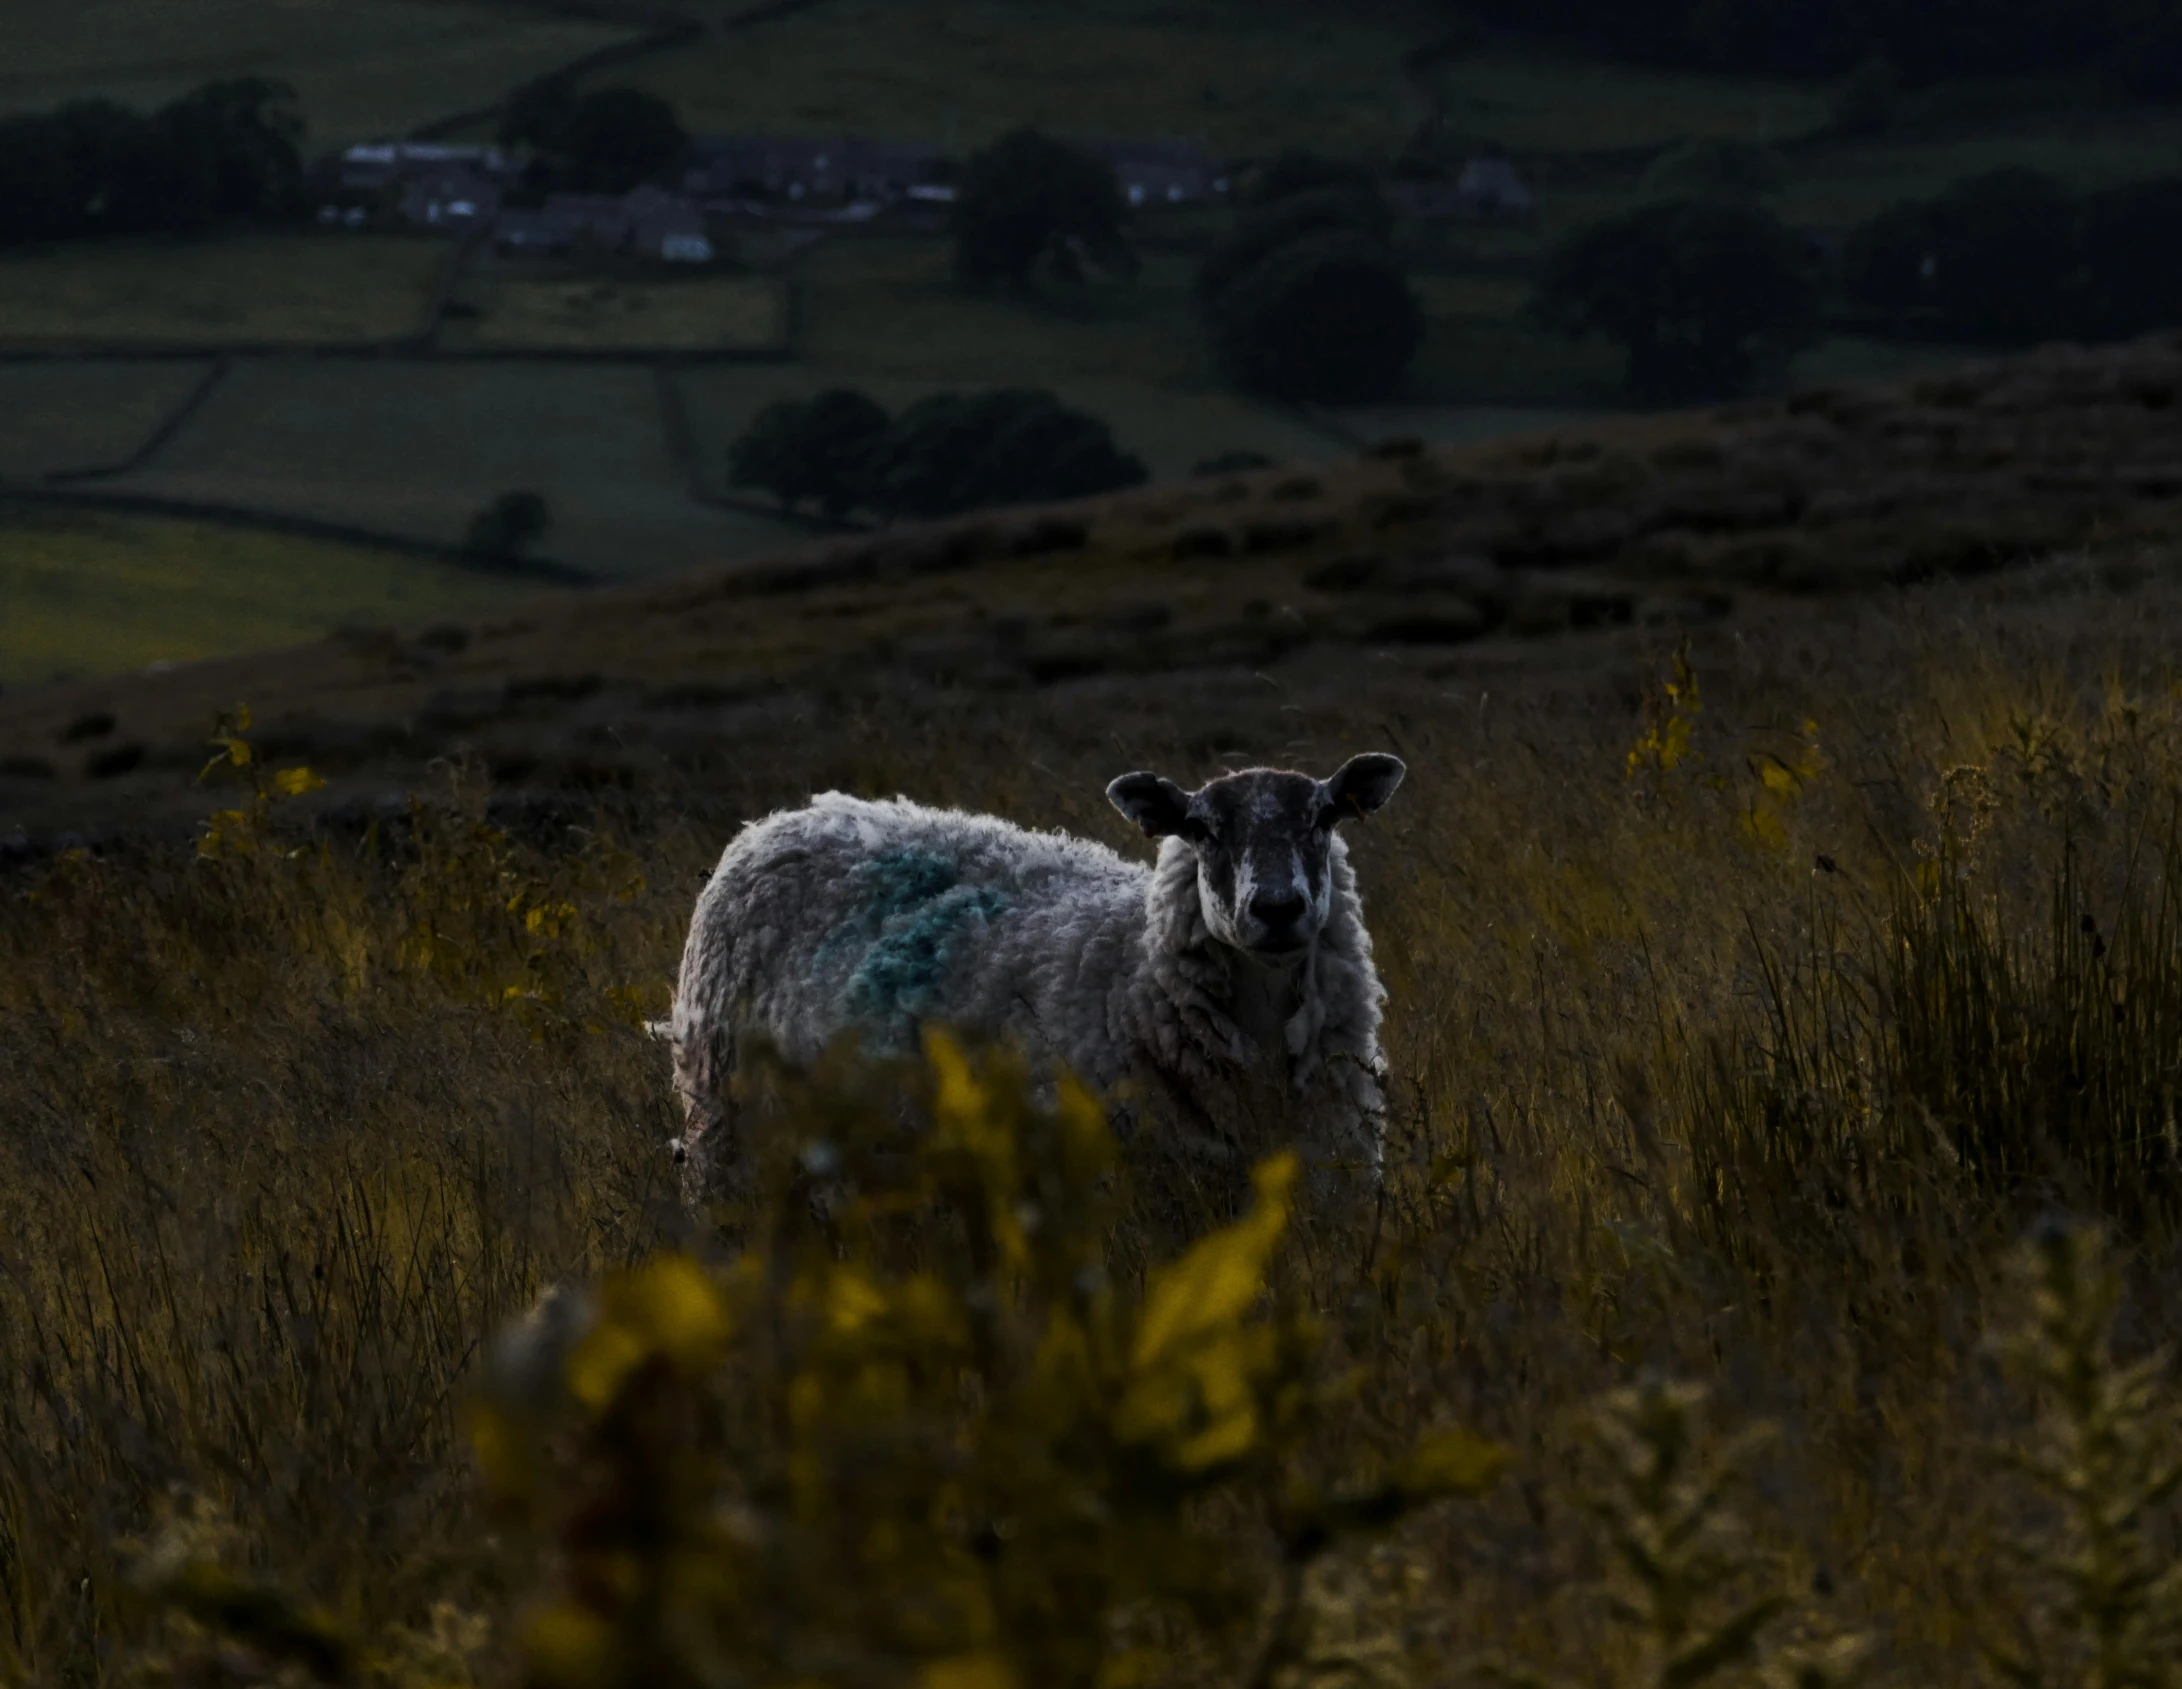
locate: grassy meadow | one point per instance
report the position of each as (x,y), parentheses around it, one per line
(82,415)
(96,594)
(418,449)
(266,288)
(361,68)
(709,313)
(1241,79)
(1742,1016)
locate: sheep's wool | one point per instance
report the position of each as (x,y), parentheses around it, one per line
(881,916)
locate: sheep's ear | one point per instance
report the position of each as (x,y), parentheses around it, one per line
(1158,806)
(1363,784)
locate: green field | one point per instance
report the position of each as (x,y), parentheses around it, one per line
(77,415)
(361,68)
(695,312)
(1537,101)
(2087,148)
(892,306)
(417,449)
(1240,78)
(283,288)
(96,594)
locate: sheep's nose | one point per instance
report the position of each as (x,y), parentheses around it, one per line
(1277,911)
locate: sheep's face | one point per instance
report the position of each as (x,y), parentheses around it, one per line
(1264,843)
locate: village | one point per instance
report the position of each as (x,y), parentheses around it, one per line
(814,183)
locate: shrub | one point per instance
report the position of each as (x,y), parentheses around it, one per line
(1697,294)
(933,1425)
(2132,259)
(1330,317)
(1996,258)
(1029,198)
(952,452)
(607,141)
(823,449)
(1260,234)
(510,525)
(1231,463)
(227,149)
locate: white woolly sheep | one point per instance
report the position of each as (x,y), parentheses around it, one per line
(1241,953)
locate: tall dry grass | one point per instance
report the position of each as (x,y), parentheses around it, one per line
(1742,1026)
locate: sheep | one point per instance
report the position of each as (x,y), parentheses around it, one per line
(1240,953)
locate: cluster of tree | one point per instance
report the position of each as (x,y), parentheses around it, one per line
(509,526)
(1303,298)
(2141,40)
(943,455)
(230,149)
(1029,201)
(604,142)
(2014,256)
(1700,294)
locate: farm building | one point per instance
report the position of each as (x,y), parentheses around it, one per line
(667,227)
(798,169)
(648,222)
(371,165)
(453,197)
(1488,187)
(1160,172)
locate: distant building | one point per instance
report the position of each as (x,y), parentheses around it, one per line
(1160,172)
(666,227)
(453,197)
(648,222)
(1487,188)
(1490,187)
(810,169)
(378,164)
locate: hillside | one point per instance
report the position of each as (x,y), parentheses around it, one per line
(1195,603)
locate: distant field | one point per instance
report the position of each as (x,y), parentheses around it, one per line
(1549,101)
(417,449)
(360,67)
(698,312)
(94,594)
(2087,148)
(72,416)
(1241,78)
(892,306)
(293,288)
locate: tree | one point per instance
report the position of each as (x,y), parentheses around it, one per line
(2132,259)
(821,449)
(951,452)
(1696,293)
(538,115)
(1029,198)
(508,526)
(1328,317)
(607,141)
(618,138)
(1997,259)
(246,141)
(1345,208)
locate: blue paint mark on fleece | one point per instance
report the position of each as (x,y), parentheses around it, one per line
(916,921)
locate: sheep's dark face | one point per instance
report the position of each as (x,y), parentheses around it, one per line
(1264,843)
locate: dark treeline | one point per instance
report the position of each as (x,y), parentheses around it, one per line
(230,149)
(2141,40)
